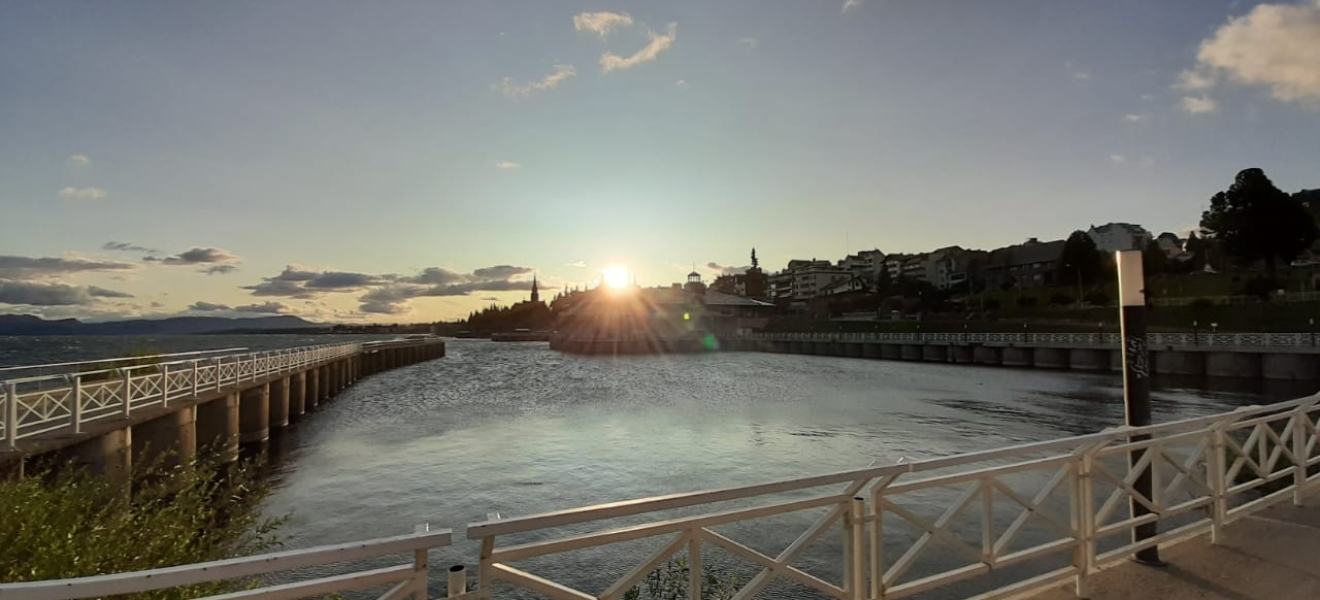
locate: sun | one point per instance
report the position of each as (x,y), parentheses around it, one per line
(615,277)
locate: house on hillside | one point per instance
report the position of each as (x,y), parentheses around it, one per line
(1114,237)
(1030,264)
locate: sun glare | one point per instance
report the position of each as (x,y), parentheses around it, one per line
(616,277)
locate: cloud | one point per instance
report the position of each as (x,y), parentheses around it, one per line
(280,288)
(1081,75)
(389,300)
(491,299)
(79,160)
(601,23)
(219,269)
(1194,80)
(581,264)
(549,82)
(36,293)
(87,193)
(749,43)
(659,43)
(851,4)
(23,267)
(1117,159)
(340,280)
(1146,162)
(1198,105)
(1133,118)
(127,247)
(725,269)
(100,292)
(1274,45)
(507,164)
(681,83)
(196,256)
(270,308)
(201,306)
(500,272)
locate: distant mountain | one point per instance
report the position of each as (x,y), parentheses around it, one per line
(31,325)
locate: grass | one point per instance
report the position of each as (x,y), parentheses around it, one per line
(66,522)
(670,582)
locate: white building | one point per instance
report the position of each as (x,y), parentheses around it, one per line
(811,281)
(1114,237)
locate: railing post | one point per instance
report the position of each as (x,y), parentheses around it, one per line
(164,385)
(1300,420)
(457,585)
(854,553)
(421,567)
(694,565)
(1218,485)
(219,360)
(196,373)
(128,392)
(76,384)
(11,415)
(1083,521)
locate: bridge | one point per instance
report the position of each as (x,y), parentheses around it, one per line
(1281,356)
(103,414)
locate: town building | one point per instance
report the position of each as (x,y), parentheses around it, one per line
(1028,265)
(1115,237)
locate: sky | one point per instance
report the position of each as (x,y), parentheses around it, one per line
(411,161)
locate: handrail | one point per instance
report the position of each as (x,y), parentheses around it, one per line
(235,568)
(194,353)
(64,402)
(1097,340)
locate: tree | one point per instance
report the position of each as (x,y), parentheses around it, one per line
(1255,221)
(1080,262)
(1154,260)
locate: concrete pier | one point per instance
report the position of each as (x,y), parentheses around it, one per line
(279,403)
(1288,366)
(891,351)
(217,426)
(297,396)
(170,439)
(1018,357)
(108,453)
(988,355)
(1086,359)
(935,353)
(254,415)
(1173,362)
(912,352)
(1051,358)
(1232,364)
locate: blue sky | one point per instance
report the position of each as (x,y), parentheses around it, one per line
(383,139)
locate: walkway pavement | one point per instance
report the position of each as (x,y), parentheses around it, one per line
(1271,555)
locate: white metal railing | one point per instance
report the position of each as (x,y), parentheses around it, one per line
(64,403)
(1010,519)
(1107,340)
(408,580)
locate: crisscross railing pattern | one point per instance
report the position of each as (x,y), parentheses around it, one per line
(1070,340)
(1006,520)
(64,402)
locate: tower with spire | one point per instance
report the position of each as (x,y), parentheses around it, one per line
(536,295)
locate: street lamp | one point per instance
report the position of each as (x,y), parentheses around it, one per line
(1196,335)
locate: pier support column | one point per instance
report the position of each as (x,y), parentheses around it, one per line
(1232,364)
(171,438)
(297,395)
(217,426)
(912,352)
(313,377)
(1172,362)
(1088,359)
(987,355)
(870,350)
(108,454)
(1050,358)
(279,403)
(935,353)
(254,415)
(960,354)
(891,351)
(1289,366)
(1116,361)
(1014,356)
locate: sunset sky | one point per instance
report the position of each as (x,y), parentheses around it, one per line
(409,161)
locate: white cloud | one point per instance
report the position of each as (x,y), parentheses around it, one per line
(851,4)
(1198,105)
(749,43)
(1146,161)
(1117,158)
(1191,80)
(549,82)
(88,193)
(1081,75)
(601,23)
(1133,118)
(581,264)
(659,43)
(507,164)
(79,160)
(1275,45)
(681,83)
(1148,96)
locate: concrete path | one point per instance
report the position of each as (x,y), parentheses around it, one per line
(1271,555)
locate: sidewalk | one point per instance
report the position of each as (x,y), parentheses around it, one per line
(1271,555)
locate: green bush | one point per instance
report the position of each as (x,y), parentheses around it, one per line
(66,522)
(670,582)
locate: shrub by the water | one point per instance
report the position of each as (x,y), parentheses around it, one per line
(670,582)
(68,522)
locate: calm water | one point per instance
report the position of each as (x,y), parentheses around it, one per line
(518,429)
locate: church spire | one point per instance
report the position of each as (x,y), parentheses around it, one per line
(536,295)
